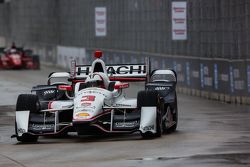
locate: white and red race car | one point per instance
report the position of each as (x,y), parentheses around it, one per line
(90,100)
(18,58)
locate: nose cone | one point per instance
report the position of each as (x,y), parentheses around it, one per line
(87,107)
(16,59)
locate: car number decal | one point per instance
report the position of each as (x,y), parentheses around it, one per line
(88,98)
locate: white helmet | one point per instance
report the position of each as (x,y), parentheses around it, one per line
(13,51)
(98,79)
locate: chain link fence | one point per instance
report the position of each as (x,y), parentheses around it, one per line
(212,62)
(216,28)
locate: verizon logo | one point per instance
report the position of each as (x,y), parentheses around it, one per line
(178,21)
(179,32)
(179,10)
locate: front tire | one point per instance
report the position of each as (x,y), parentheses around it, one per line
(27,102)
(151,99)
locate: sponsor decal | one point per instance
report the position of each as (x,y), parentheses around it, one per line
(20,130)
(81,115)
(88,98)
(120,86)
(92,92)
(140,69)
(224,77)
(160,88)
(48,92)
(81,109)
(122,105)
(179,20)
(100,21)
(117,70)
(148,128)
(130,124)
(42,127)
(67,106)
(90,108)
(239,83)
(85,104)
(195,74)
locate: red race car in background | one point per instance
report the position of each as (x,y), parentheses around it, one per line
(18,58)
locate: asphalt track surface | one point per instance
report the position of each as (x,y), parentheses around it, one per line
(209,134)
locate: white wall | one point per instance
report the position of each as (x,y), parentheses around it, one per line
(66,54)
(2,42)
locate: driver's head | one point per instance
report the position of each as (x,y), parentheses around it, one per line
(12,51)
(95,81)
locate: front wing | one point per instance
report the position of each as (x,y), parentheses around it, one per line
(44,123)
(122,120)
(113,120)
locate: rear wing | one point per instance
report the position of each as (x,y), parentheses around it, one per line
(117,72)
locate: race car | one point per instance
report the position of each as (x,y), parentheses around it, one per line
(90,100)
(18,58)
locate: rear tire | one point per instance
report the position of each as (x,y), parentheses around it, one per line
(27,102)
(174,111)
(175,117)
(151,99)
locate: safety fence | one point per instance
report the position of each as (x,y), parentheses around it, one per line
(217,79)
(212,62)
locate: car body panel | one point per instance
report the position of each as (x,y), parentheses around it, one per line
(86,108)
(22,122)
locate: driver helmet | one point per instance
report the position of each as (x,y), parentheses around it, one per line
(12,50)
(95,81)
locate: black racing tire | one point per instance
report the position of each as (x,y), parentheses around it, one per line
(175,117)
(147,98)
(174,110)
(27,102)
(25,138)
(151,98)
(167,108)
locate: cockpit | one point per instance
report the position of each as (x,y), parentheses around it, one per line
(13,51)
(95,81)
